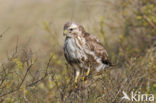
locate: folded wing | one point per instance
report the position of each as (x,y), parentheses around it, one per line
(96,46)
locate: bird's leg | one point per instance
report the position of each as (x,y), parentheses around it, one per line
(77,76)
(83,76)
(88,71)
(87,74)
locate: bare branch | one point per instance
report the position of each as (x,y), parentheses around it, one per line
(42,78)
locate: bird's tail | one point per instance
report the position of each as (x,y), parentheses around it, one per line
(108,62)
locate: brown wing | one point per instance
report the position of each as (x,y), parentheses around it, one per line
(96,46)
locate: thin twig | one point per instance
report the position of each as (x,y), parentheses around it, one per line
(45,75)
(1,34)
(149,21)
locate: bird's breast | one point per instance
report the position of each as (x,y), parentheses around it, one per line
(70,49)
(70,45)
(74,51)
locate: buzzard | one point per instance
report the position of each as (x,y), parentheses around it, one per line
(83,50)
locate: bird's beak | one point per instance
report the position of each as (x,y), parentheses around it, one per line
(65,32)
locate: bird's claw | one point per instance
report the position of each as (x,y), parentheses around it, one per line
(83,78)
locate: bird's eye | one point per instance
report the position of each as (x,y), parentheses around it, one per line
(71,29)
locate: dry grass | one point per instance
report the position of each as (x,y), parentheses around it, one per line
(33,68)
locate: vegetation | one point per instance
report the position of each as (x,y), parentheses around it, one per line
(32,65)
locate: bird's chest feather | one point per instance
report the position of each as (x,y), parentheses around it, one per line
(70,47)
(73,49)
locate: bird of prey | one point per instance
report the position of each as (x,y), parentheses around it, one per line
(83,50)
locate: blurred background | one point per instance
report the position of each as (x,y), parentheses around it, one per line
(33,67)
(28,20)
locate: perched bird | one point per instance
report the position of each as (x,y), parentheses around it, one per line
(83,50)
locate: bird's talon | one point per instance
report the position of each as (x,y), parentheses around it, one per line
(76,80)
(83,78)
(86,82)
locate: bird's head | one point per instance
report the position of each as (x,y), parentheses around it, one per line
(71,28)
